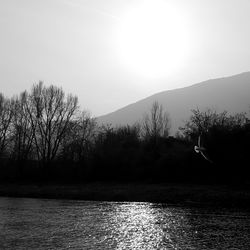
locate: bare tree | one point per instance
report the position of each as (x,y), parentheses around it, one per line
(156,123)
(6,115)
(50,113)
(80,137)
(23,131)
(201,121)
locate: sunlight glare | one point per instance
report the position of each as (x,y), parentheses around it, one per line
(153,39)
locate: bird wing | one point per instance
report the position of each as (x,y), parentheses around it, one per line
(206,157)
(196,149)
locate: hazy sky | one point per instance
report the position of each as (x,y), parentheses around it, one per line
(112,53)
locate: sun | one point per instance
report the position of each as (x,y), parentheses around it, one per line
(153,39)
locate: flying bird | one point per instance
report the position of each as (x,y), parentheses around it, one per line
(200,149)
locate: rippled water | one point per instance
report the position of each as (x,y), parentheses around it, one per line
(62,224)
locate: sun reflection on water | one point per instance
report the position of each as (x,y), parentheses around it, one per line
(54,224)
(142,226)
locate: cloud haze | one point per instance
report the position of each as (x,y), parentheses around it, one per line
(73,44)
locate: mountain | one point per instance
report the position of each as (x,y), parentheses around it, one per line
(228,93)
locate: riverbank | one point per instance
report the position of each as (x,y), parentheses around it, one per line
(183,194)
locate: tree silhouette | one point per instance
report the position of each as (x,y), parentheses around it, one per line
(156,123)
(79,137)
(6,115)
(201,122)
(50,113)
(23,132)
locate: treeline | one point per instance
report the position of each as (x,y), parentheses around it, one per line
(44,136)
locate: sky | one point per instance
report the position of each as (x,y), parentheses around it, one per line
(115,52)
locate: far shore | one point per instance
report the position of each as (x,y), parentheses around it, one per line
(182,194)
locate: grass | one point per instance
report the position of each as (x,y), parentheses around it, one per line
(184,194)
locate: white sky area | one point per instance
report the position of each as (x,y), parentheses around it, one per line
(112,53)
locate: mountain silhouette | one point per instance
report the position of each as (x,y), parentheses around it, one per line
(228,93)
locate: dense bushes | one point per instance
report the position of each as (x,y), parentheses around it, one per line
(44,136)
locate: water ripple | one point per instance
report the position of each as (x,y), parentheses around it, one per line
(65,224)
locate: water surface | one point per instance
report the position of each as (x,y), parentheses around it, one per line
(61,224)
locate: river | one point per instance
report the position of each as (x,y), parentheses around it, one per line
(70,224)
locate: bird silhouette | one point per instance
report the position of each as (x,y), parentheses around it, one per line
(200,149)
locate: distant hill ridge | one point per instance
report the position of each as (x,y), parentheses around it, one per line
(228,93)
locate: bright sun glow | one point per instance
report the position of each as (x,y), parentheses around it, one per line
(153,39)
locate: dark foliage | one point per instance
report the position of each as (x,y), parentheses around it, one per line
(44,137)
